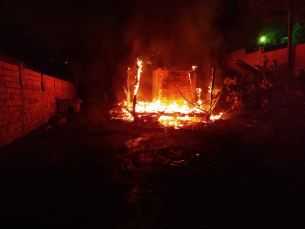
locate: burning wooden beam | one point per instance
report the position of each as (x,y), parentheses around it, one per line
(128,91)
(136,85)
(212,86)
(173,105)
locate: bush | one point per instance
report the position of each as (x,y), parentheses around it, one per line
(262,90)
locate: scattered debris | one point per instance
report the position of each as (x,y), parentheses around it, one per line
(56,119)
(176,109)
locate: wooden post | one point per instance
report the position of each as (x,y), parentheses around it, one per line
(128,91)
(212,88)
(194,82)
(135,95)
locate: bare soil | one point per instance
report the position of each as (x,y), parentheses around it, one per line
(94,173)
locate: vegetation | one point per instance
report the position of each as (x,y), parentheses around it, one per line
(261,92)
(265,18)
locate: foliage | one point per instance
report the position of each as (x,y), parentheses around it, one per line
(268,18)
(261,90)
(298,34)
(276,36)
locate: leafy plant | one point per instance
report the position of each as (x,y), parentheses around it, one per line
(261,89)
(298,34)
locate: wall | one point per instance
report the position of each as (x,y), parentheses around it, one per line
(165,91)
(27,100)
(300,56)
(257,58)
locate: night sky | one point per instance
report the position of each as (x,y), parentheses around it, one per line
(112,34)
(58,23)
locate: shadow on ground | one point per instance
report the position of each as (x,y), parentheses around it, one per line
(111,174)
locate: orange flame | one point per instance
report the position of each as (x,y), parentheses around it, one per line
(170,114)
(139,63)
(198,91)
(167,114)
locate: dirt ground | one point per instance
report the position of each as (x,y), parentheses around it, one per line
(94,173)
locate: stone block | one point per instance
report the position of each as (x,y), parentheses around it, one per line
(15,74)
(10,90)
(16,85)
(3,90)
(5,96)
(8,103)
(7,115)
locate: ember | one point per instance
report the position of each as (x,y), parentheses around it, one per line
(174,104)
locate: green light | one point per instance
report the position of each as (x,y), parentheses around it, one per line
(263,39)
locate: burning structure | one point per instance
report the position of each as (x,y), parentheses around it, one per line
(176,100)
(178,86)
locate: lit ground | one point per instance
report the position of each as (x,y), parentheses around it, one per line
(89,173)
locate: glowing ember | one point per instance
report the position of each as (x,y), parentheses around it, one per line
(170,114)
(215,117)
(210,88)
(167,115)
(198,91)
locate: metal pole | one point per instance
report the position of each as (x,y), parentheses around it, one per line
(289,38)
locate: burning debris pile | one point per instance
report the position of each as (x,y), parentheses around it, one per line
(176,100)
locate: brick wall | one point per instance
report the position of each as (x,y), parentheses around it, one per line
(27,100)
(165,91)
(257,58)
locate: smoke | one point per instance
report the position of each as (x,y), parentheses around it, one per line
(110,35)
(173,35)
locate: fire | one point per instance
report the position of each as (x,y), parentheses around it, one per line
(198,91)
(139,64)
(166,114)
(215,117)
(157,106)
(169,114)
(210,88)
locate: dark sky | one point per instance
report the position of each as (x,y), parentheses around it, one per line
(52,24)
(57,23)
(170,33)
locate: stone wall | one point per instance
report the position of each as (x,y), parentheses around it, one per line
(27,100)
